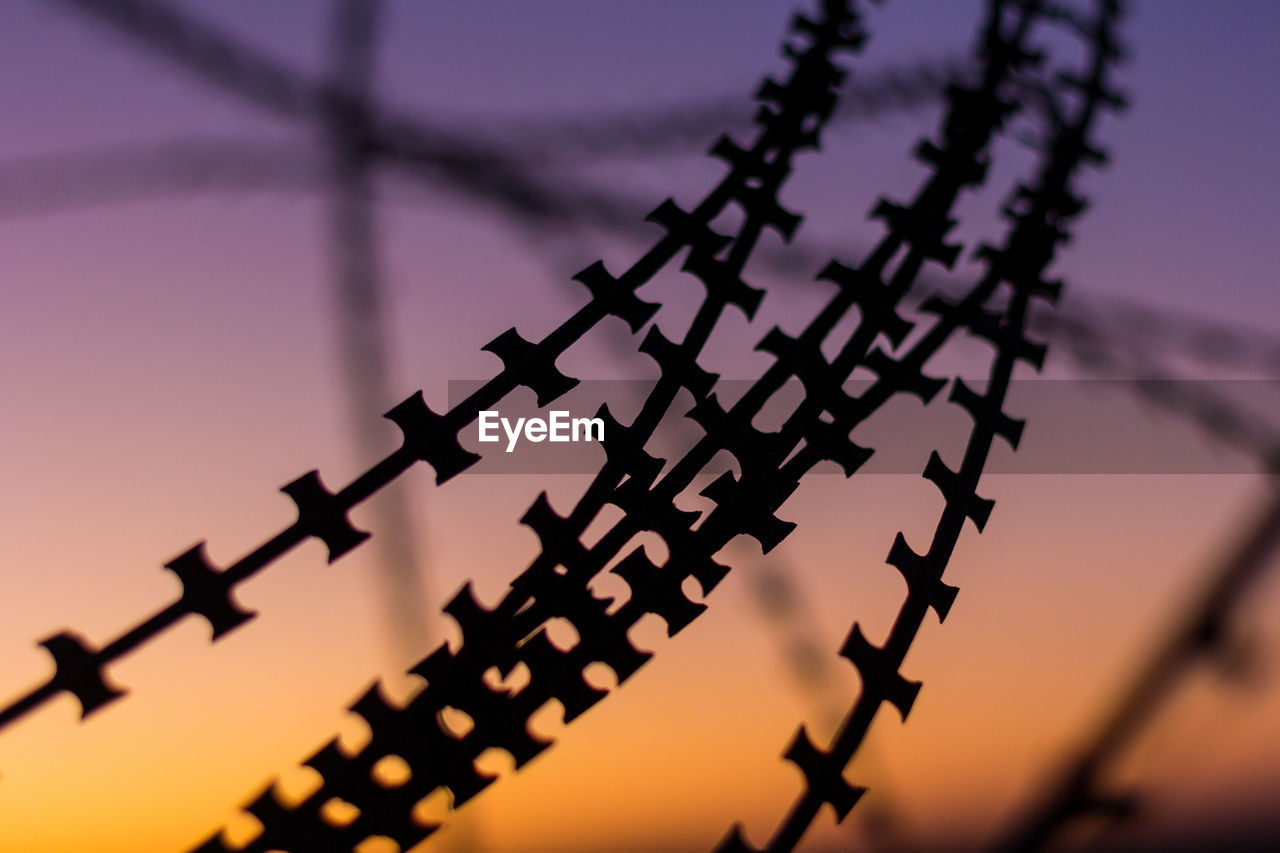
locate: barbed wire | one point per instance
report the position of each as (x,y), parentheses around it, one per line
(752,183)
(1218,416)
(1203,631)
(554,587)
(740,504)
(1039,217)
(684,127)
(342,536)
(125,172)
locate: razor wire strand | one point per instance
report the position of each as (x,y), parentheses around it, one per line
(427,437)
(542,592)
(682,127)
(1211,345)
(782,605)
(431,437)
(46,183)
(1216,415)
(452,158)
(52,182)
(1039,218)
(1101,320)
(455,678)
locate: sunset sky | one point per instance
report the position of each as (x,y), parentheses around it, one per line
(168,362)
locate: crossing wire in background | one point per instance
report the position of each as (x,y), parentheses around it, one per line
(360,298)
(53,183)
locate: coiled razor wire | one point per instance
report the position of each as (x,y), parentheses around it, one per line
(787,125)
(555,586)
(1039,216)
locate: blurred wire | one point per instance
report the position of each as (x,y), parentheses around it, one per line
(56,183)
(362,328)
(1218,416)
(1204,630)
(115,174)
(695,124)
(488,170)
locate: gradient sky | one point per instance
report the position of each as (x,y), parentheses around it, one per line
(167,364)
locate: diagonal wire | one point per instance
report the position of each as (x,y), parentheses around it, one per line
(451,158)
(1223,596)
(467,164)
(56,183)
(1202,631)
(691,125)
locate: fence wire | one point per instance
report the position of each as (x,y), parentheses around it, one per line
(979,96)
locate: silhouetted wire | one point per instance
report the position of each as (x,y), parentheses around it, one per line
(779,600)
(1218,416)
(1040,214)
(408,146)
(449,157)
(113,174)
(787,609)
(515,631)
(57,183)
(752,183)
(1204,630)
(1165,333)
